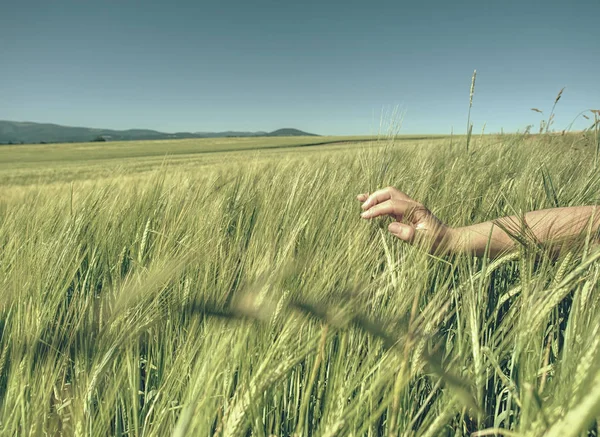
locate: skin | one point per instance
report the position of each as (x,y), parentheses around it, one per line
(413,223)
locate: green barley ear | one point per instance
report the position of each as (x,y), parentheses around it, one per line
(144,242)
(562,270)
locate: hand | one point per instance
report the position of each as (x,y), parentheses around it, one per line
(413,221)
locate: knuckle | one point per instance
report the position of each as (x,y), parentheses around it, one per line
(420,212)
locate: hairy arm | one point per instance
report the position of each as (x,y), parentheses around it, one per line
(551,228)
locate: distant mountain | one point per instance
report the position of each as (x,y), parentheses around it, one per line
(289,132)
(230,133)
(14,132)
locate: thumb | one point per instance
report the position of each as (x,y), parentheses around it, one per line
(402,231)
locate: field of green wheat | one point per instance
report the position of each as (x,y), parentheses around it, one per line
(159,289)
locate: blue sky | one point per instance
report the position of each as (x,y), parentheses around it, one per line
(330,67)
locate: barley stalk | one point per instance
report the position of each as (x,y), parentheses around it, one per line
(471,93)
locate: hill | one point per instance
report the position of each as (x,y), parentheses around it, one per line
(14,132)
(289,132)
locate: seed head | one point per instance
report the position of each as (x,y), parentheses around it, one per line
(472,87)
(559,95)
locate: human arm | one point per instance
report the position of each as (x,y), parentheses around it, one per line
(414,223)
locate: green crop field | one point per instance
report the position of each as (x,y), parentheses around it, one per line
(228,287)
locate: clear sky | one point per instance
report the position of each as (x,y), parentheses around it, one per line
(324,66)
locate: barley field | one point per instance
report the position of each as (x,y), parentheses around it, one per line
(197,288)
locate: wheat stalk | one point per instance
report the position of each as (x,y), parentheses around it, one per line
(471,93)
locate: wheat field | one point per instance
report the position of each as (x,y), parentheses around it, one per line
(239,294)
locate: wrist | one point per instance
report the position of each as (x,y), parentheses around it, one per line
(448,241)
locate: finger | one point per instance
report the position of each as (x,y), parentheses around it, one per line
(363,197)
(377,197)
(402,231)
(394,207)
(383,195)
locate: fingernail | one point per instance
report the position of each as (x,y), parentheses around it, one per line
(365,214)
(394,227)
(364,205)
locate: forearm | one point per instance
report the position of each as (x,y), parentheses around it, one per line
(551,228)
